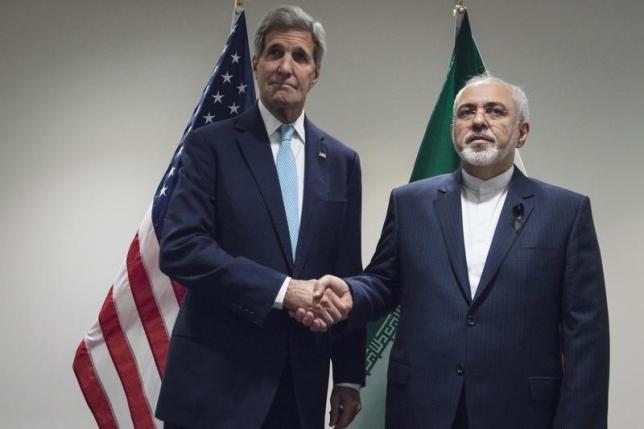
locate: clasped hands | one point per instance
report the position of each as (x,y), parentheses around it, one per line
(318,304)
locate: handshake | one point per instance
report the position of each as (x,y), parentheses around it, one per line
(318,304)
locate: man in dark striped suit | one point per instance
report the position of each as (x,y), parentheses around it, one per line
(503,315)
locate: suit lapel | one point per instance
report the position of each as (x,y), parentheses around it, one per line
(506,232)
(448,210)
(255,147)
(315,167)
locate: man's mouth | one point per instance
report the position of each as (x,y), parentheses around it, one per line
(478,138)
(281,85)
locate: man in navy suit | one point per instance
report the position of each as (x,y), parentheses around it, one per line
(263,200)
(503,315)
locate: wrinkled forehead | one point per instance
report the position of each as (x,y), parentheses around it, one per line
(289,37)
(485,93)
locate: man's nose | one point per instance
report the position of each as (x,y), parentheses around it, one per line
(479,120)
(285,65)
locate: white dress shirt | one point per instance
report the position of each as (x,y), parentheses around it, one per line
(481,204)
(273,125)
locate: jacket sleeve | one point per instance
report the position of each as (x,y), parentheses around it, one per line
(583,397)
(376,292)
(189,252)
(348,350)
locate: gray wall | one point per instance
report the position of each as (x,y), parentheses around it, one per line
(95,94)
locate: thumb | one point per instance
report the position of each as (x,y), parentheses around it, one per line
(337,285)
(319,287)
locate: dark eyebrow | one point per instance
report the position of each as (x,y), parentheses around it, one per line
(495,104)
(302,50)
(273,45)
(469,105)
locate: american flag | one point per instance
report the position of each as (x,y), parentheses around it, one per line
(120,362)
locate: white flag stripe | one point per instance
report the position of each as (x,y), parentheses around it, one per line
(519,162)
(160,283)
(108,377)
(137,339)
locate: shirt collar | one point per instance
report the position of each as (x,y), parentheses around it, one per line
(485,188)
(272,124)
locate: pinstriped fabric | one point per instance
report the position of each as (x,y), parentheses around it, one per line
(287,174)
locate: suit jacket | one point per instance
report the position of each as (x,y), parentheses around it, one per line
(226,240)
(530,349)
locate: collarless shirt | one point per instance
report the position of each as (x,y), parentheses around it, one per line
(273,125)
(481,205)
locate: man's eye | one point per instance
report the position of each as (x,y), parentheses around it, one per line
(300,57)
(273,53)
(465,113)
(495,112)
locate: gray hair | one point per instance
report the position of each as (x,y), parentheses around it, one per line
(518,95)
(292,17)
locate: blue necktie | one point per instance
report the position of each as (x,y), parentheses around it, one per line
(287,174)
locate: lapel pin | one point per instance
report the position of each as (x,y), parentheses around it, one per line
(517,215)
(322,155)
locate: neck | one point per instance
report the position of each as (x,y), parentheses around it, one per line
(286,114)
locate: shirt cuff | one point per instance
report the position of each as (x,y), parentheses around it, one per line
(279,299)
(350,385)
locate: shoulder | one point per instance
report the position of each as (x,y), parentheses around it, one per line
(220,128)
(248,121)
(555,195)
(428,187)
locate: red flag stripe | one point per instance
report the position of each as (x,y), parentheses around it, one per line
(146,306)
(92,388)
(125,364)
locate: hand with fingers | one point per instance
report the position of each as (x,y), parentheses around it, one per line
(331,303)
(345,405)
(299,294)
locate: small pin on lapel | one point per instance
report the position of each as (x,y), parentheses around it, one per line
(517,215)
(322,155)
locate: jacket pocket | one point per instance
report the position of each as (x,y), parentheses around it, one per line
(544,388)
(398,372)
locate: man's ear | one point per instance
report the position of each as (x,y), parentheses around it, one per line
(524,130)
(317,75)
(254,63)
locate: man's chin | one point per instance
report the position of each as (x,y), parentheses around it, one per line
(480,158)
(282,100)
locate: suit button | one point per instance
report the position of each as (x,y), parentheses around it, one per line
(470,320)
(460,370)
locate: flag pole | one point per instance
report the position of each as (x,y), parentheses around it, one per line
(458,7)
(239,8)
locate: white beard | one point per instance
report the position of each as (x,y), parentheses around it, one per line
(486,154)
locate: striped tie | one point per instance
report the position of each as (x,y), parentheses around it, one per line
(287,174)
